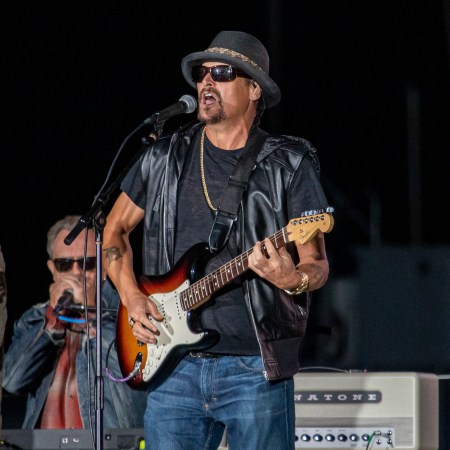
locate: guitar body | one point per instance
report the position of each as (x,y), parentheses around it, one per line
(180,331)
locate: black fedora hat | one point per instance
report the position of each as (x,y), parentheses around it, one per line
(242,51)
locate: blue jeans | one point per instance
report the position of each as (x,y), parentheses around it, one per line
(191,409)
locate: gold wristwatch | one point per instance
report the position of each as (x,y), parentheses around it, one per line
(301,287)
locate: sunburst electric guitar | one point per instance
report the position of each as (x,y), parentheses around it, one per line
(179,292)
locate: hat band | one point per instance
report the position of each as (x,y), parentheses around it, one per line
(233,54)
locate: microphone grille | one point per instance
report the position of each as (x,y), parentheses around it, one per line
(190,102)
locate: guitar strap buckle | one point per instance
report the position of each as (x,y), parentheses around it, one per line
(221,230)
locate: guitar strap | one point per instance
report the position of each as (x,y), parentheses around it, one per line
(227,212)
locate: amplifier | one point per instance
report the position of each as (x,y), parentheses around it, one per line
(382,410)
(117,439)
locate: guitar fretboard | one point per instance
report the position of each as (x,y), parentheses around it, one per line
(211,283)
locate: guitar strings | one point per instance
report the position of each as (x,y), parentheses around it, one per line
(207,286)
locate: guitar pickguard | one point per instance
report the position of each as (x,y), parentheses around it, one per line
(174,331)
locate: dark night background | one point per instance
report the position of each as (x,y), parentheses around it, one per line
(367,82)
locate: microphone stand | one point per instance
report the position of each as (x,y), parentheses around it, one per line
(99,222)
(97,218)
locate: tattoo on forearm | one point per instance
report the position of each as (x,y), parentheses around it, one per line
(112,254)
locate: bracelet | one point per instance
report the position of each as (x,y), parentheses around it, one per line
(301,287)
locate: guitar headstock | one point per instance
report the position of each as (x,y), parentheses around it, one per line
(307,226)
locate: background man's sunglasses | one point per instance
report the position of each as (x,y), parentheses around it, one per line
(218,73)
(66,264)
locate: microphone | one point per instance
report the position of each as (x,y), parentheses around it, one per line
(187,104)
(64,301)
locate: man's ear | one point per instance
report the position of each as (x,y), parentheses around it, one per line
(51,266)
(255,91)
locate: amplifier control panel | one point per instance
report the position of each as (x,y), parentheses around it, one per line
(343,438)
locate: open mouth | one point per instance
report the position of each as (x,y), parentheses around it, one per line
(208,99)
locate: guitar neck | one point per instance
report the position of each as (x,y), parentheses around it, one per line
(196,294)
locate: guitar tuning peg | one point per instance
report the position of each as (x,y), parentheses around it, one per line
(314,212)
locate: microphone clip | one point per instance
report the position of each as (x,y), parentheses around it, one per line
(154,135)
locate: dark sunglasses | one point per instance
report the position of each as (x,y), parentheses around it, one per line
(218,73)
(66,264)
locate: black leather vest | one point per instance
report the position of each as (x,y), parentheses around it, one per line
(278,318)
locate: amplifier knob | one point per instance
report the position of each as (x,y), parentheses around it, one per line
(318,437)
(305,437)
(329,438)
(354,437)
(342,437)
